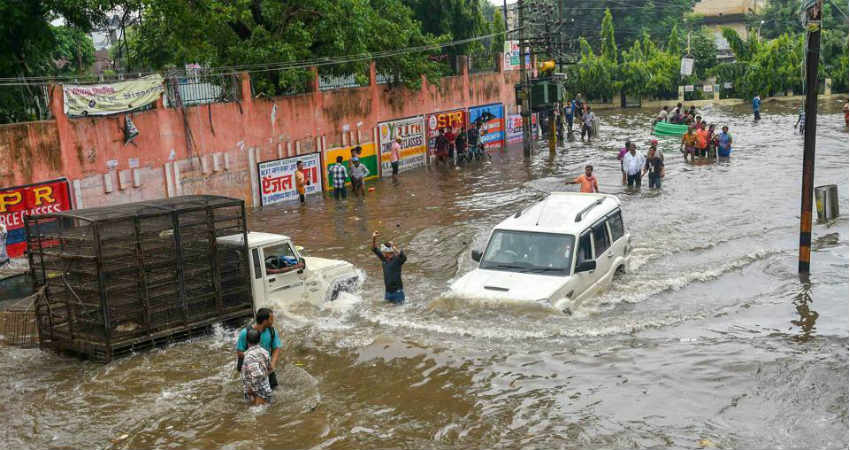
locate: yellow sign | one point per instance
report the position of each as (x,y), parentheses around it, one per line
(368,157)
(111,98)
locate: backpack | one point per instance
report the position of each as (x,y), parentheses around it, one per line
(241,359)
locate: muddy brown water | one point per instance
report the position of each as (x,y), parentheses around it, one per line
(709,336)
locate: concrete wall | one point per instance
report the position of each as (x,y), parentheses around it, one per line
(214,148)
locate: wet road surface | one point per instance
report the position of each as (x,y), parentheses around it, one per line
(710,335)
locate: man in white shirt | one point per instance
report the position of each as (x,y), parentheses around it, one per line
(588,124)
(633,163)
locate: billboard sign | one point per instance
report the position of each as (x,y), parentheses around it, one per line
(111,98)
(277,178)
(368,157)
(513,128)
(492,117)
(411,130)
(49,197)
(454,119)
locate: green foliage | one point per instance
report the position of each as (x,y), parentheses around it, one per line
(630,20)
(730,72)
(783,17)
(593,76)
(497,43)
(220,33)
(704,52)
(31,46)
(774,67)
(455,19)
(609,44)
(675,42)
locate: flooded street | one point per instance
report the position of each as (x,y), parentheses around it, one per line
(710,335)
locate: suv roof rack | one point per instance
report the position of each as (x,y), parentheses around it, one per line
(588,208)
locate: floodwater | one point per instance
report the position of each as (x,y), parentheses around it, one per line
(709,340)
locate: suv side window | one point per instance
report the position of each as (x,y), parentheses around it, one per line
(258,271)
(615,221)
(600,238)
(585,251)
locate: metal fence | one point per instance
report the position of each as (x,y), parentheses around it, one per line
(18,326)
(381,78)
(483,62)
(24,103)
(191,88)
(331,82)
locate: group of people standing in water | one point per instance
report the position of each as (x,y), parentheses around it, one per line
(701,138)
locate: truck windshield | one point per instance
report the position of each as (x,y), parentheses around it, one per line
(524,251)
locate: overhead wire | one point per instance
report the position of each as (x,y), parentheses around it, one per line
(277,66)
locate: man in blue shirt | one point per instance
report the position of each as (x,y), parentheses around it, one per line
(756,107)
(724,143)
(569,113)
(269,340)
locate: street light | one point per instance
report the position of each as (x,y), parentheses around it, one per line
(758,34)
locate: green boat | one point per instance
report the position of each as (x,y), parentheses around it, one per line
(669,129)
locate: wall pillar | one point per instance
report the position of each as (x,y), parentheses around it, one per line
(827,87)
(374,96)
(463,65)
(681,93)
(64,132)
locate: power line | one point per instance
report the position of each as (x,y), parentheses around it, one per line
(275,66)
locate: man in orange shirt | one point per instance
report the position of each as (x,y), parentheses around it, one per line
(300,180)
(587,180)
(702,141)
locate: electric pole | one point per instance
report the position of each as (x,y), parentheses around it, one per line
(526,95)
(813,10)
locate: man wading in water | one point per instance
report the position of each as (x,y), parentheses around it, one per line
(269,341)
(391,261)
(255,371)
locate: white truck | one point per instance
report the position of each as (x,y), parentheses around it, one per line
(281,274)
(558,251)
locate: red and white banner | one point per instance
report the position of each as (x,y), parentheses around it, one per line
(20,201)
(455,119)
(277,178)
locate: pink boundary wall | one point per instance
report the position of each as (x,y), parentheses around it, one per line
(228,138)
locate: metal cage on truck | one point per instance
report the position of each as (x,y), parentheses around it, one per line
(124,277)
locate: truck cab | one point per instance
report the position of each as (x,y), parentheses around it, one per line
(282,274)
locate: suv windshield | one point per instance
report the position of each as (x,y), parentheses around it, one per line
(523,251)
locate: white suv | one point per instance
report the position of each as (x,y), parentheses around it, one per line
(559,250)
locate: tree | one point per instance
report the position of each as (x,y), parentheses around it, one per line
(454,19)
(31,46)
(704,51)
(497,43)
(674,42)
(245,33)
(609,44)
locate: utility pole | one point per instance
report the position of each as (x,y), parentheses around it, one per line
(813,25)
(526,95)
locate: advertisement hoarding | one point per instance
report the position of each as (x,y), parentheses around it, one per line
(493,118)
(111,98)
(16,202)
(513,128)
(411,130)
(455,119)
(277,178)
(368,157)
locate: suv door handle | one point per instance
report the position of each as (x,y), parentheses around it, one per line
(272,279)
